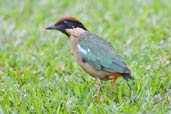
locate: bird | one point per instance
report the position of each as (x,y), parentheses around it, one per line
(95,55)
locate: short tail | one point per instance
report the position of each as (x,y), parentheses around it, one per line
(126,76)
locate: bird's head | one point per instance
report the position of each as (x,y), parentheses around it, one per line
(66,23)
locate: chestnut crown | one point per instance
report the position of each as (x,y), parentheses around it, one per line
(66,23)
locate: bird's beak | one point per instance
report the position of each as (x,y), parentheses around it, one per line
(58,26)
(52,27)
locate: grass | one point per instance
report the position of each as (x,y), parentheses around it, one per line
(38,73)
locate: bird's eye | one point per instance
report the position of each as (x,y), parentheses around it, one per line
(65,22)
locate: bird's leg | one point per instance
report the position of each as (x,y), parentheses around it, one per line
(98,89)
(113,83)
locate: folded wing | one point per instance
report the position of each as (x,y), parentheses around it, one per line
(100,54)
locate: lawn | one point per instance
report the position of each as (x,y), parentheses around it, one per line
(38,73)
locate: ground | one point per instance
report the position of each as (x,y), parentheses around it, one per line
(38,73)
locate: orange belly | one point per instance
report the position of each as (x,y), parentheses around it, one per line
(113,76)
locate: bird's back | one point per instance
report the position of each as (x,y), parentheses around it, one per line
(100,54)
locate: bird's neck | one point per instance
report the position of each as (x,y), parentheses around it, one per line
(74,38)
(75,32)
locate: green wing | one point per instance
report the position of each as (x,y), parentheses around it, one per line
(100,54)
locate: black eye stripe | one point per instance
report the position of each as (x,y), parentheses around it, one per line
(72,24)
(65,22)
